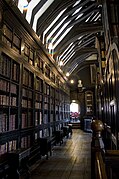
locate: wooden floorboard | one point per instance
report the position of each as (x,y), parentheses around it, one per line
(71,160)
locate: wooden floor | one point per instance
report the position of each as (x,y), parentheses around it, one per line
(71,160)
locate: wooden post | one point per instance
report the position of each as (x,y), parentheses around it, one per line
(96,144)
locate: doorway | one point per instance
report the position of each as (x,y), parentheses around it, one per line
(74,112)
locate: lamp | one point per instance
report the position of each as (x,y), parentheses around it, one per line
(72,81)
(67,74)
(61,63)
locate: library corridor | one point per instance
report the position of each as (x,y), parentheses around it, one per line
(71,160)
(59,71)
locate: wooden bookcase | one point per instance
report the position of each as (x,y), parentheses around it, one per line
(27,99)
(32,101)
(89,102)
(38,101)
(9,99)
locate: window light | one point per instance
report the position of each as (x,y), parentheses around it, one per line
(66,50)
(69,58)
(31,6)
(55,20)
(79,16)
(60,31)
(77,2)
(77,10)
(22,4)
(40,12)
(58,41)
(53,31)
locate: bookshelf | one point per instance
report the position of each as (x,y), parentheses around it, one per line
(29,54)
(38,101)
(39,64)
(89,102)
(10,38)
(46,104)
(30,87)
(52,104)
(9,99)
(27,99)
(56,104)
(47,70)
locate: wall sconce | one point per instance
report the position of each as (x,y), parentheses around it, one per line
(22,47)
(67,74)
(61,63)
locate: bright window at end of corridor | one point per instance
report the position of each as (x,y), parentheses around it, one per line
(74,112)
(74,107)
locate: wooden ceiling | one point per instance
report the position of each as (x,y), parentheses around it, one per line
(67,28)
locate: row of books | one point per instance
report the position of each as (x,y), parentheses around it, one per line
(38,105)
(39,85)
(46,89)
(27,120)
(38,97)
(8,146)
(13,88)
(27,93)
(15,72)
(5,66)
(27,103)
(12,122)
(9,68)
(26,141)
(27,78)
(38,118)
(5,124)
(8,101)
(4,100)
(4,85)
